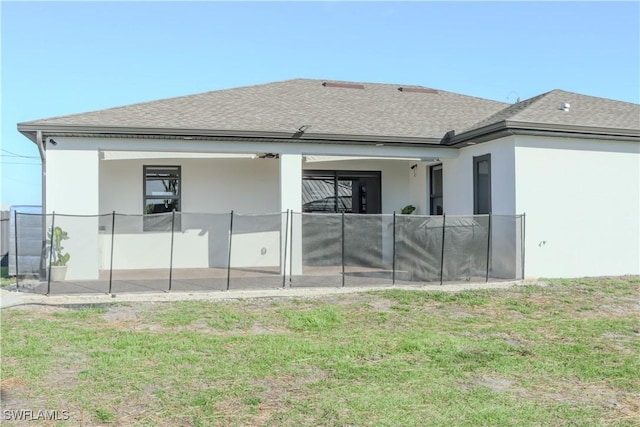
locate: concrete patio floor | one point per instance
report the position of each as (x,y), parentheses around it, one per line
(221,279)
(212,285)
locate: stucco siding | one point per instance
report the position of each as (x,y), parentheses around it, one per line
(72,178)
(582,203)
(207,185)
(458,178)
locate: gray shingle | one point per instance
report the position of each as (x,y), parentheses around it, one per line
(376,110)
(584,111)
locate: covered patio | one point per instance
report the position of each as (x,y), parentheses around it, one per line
(273,251)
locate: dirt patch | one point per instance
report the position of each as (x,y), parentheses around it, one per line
(279,389)
(617,404)
(268,399)
(43,311)
(10,387)
(496,384)
(119,314)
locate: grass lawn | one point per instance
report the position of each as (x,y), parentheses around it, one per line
(5,279)
(563,354)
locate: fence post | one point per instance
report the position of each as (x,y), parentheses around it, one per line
(343,249)
(444,220)
(291,245)
(522,242)
(472,255)
(113,226)
(173,221)
(393,262)
(53,222)
(488,247)
(42,273)
(229,260)
(286,238)
(15,232)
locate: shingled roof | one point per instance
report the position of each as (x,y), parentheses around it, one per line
(350,111)
(582,111)
(335,109)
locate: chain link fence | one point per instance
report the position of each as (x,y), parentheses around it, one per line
(116,253)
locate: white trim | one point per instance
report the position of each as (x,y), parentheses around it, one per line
(132,155)
(312,159)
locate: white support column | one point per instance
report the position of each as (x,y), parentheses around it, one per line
(291,182)
(291,199)
(73,188)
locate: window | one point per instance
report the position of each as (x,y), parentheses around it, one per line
(341,191)
(161,194)
(482,184)
(435,190)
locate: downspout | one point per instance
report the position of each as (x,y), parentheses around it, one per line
(43,159)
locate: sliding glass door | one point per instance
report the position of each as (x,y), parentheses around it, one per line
(341,191)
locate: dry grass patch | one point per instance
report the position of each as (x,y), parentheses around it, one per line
(567,353)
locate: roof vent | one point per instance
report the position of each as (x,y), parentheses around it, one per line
(343,85)
(417,89)
(565,106)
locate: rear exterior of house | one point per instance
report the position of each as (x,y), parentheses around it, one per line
(319,147)
(581,197)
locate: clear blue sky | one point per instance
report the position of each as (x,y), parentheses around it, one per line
(65,58)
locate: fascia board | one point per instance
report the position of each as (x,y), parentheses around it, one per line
(136,131)
(26,128)
(510,127)
(482,134)
(594,130)
(372,138)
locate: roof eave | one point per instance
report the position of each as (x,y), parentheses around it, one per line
(511,127)
(29,129)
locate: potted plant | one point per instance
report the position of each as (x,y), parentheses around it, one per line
(60,259)
(408,210)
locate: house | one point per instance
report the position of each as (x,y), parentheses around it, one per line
(570,162)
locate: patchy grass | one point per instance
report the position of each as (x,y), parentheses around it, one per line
(563,354)
(5,279)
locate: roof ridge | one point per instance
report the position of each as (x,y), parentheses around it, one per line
(506,112)
(592,96)
(527,103)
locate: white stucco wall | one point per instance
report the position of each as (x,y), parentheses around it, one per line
(457,176)
(192,248)
(418,187)
(582,203)
(458,200)
(208,185)
(72,177)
